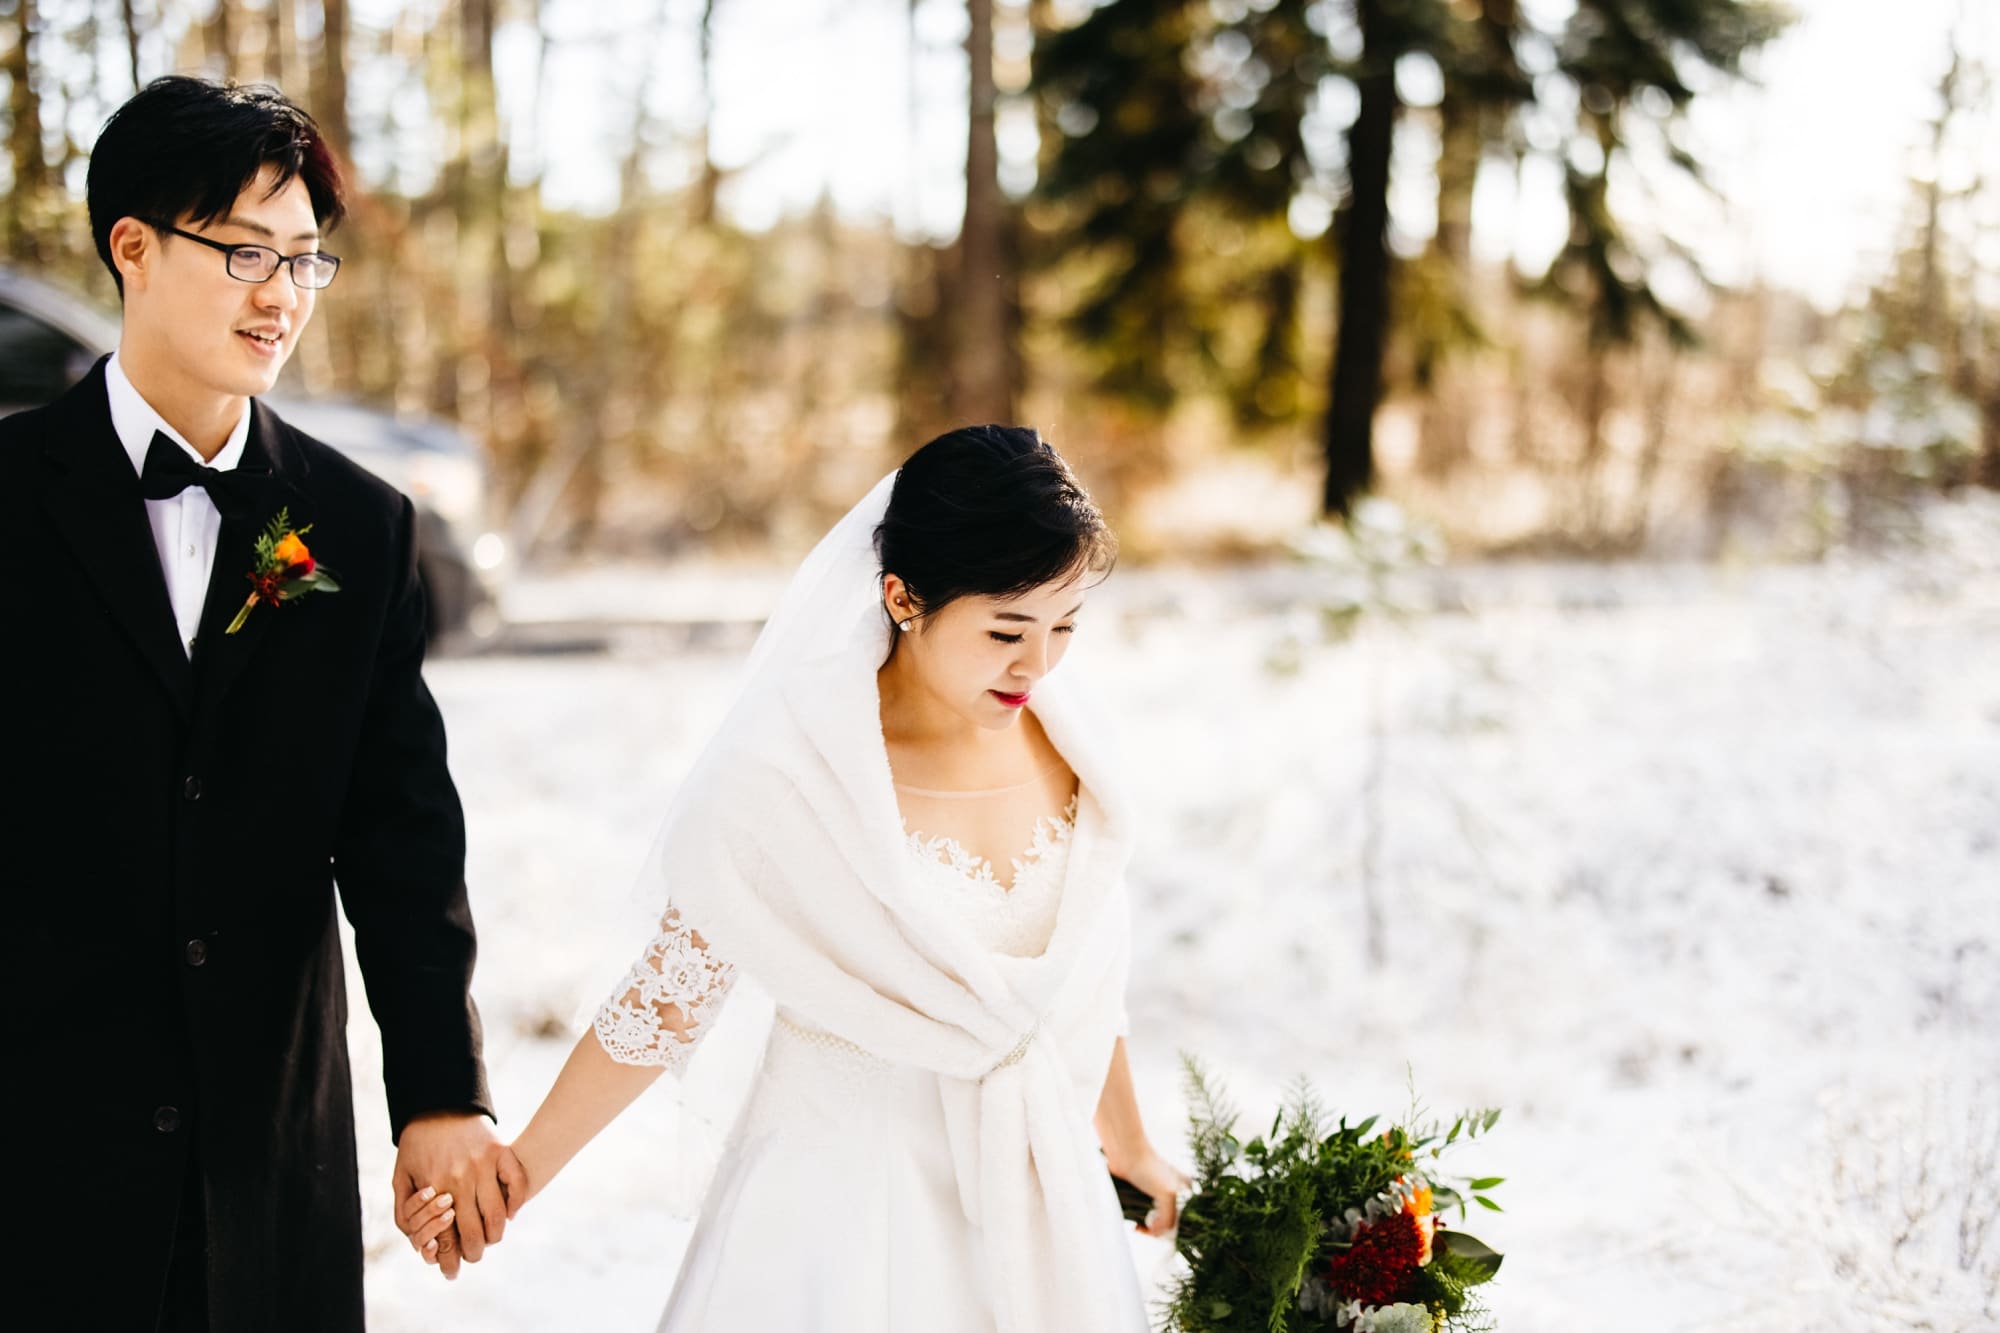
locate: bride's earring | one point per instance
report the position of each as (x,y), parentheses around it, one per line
(904,625)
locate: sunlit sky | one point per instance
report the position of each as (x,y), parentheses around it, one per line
(862,100)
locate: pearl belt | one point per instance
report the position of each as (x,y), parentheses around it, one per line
(829,1042)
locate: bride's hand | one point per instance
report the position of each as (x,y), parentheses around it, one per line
(515,1189)
(425,1217)
(1166,1183)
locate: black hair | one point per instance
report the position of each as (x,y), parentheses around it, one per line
(989,511)
(184,147)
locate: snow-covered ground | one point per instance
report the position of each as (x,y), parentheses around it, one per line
(1695,872)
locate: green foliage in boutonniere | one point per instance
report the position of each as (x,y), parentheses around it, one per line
(284,569)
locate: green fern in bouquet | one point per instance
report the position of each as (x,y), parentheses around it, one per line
(1321,1225)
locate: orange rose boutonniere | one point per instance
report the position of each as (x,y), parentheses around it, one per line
(285,569)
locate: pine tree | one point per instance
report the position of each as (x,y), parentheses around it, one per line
(1134,150)
(1626,59)
(1148,143)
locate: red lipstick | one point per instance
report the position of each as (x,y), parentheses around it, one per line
(1011,700)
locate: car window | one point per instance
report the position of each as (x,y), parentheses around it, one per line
(37,362)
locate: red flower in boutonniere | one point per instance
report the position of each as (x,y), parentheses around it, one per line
(285,569)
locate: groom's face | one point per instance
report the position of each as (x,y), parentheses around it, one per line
(217,333)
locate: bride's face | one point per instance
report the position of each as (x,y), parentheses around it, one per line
(982,657)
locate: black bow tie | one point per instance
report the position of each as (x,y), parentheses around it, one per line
(169,471)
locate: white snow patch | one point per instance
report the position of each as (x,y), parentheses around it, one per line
(1695,872)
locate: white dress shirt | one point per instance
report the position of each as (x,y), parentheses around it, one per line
(185,528)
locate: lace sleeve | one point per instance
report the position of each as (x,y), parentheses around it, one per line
(667,1002)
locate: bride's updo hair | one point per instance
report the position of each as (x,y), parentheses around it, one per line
(990,511)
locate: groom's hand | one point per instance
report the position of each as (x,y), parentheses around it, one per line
(458,1154)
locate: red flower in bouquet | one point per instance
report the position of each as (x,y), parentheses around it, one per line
(1375,1253)
(1383,1254)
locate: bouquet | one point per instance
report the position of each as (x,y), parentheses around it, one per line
(1321,1226)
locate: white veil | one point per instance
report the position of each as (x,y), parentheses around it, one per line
(831,598)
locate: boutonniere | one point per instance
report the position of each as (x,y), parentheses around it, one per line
(285,569)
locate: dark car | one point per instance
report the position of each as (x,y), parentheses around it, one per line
(49,339)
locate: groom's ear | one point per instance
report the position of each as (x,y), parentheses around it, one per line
(134,248)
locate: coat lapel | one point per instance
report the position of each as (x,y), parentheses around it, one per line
(219,657)
(93,499)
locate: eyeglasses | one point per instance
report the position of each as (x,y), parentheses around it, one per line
(257,263)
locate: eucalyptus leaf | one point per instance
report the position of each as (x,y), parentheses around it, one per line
(1470,1249)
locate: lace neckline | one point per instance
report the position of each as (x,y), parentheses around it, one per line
(1051,832)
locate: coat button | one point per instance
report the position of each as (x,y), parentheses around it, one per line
(197,952)
(192,788)
(167,1119)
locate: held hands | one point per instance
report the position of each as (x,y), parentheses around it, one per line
(455,1187)
(1165,1182)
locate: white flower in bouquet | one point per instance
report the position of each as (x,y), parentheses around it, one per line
(1396,1319)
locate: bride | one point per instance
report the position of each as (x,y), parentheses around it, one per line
(908,836)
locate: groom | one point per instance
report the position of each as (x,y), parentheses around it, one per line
(188,791)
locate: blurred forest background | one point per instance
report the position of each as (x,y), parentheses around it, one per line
(1690,866)
(1228,254)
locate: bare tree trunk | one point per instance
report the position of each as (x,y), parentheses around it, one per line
(270,46)
(1470,116)
(1986,368)
(1659,409)
(1444,441)
(280,60)
(604,420)
(982,387)
(131,39)
(710,182)
(344,324)
(1989,470)
(24,136)
(1461,145)
(330,83)
(1933,312)
(475,184)
(1361,231)
(489,176)
(1595,407)
(923,333)
(219,38)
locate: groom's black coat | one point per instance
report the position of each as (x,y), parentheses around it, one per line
(172,837)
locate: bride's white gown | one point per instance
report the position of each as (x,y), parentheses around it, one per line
(835,1206)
